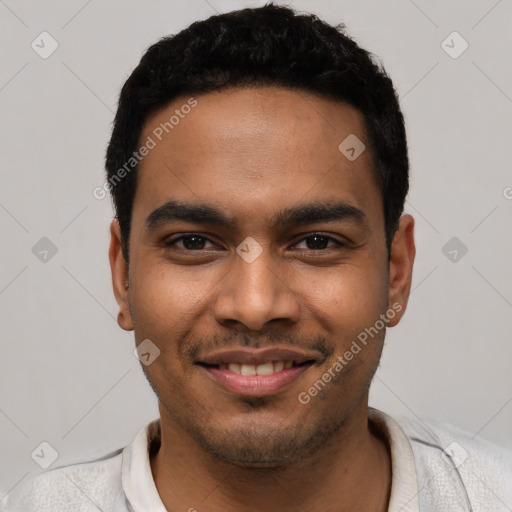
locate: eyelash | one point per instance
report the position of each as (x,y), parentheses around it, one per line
(339,245)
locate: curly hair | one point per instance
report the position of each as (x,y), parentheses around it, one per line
(267,46)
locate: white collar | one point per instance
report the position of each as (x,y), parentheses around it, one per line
(142,494)
(404,482)
(136,476)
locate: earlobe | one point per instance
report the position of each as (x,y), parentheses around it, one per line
(120,278)
(401,262)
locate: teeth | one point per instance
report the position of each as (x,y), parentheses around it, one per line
(265,369)
(278,366)
(232,367)
(248,369)
(262,369)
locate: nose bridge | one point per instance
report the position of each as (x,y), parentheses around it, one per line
(255,282)
(253,293)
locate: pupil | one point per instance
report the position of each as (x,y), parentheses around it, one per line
(321,245)
(194,245)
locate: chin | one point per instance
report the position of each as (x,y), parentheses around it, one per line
(254,446)
(253,457)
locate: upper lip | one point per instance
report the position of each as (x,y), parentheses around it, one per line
(258,356)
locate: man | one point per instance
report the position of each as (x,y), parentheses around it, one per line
(258,166)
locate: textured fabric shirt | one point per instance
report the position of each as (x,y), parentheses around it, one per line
(435,468)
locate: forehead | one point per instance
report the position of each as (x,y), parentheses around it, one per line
(253,151)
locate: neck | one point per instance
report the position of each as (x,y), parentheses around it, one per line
(352,472)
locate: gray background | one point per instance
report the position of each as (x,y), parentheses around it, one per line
(68,374)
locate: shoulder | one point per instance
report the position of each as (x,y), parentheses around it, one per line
(457,463)
(84,486)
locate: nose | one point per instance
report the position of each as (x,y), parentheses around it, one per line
(255,294)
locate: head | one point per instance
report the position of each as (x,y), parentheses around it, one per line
(265,173)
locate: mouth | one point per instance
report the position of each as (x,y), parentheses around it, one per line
(257,373)
(266,368)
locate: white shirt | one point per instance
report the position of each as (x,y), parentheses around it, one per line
(423,479)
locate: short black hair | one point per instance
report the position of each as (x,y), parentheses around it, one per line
(266,46)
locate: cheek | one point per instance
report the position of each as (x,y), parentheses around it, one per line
(164,305)
(161,292)
(347,299)
(163,312)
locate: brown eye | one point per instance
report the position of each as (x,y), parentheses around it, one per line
(318,242)
(192,242)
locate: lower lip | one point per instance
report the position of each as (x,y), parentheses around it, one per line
(256,385)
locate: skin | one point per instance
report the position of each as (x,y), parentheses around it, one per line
(251,152)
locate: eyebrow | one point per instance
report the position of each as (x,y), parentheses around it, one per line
(307,213)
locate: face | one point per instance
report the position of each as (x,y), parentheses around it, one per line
(257,244)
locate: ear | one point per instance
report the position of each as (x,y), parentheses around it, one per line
(401,262)
(119,277)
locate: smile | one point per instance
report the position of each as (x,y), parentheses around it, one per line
(267,368)
(256,380)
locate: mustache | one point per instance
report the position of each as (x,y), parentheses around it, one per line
(200,345)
